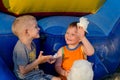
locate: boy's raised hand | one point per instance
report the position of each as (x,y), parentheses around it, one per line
(42,59)
(81,32)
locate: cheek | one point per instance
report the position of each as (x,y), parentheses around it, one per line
(65,36)
(76,39)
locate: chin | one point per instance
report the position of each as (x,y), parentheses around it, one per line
(37,37)
(68,43)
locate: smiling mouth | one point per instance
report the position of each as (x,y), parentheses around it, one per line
(69,40)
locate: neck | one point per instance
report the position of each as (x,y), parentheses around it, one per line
(72,46)
(26,42)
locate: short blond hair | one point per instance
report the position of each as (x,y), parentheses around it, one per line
(21,23)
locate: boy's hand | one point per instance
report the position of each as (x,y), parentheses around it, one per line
(81,32)
(66,73)
(43,59)
(53,59)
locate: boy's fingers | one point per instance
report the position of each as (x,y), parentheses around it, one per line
(41,52)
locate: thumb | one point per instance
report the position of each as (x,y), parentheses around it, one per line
(41,52)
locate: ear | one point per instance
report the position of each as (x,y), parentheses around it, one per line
(26,32)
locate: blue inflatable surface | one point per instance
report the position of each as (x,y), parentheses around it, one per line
(5,72)
(103,34)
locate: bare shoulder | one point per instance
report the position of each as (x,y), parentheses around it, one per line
(60,51)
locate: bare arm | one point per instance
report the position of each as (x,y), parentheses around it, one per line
(87,47)
(58,63)
(41,59)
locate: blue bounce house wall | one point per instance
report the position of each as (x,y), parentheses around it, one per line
(106,58)
(103,34)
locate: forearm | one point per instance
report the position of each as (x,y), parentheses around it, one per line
(88,48)
(29,67)
(60,70)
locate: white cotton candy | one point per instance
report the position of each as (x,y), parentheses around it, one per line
(81,70)
(83,22)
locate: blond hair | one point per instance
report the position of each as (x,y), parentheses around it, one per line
(21,23)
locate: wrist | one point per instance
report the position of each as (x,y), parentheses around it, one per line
(63,72)
(37,61)
(82,39)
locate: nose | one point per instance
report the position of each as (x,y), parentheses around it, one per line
(68,35)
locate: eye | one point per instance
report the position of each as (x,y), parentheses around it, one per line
(36,26)
(66,33)
(73,34)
